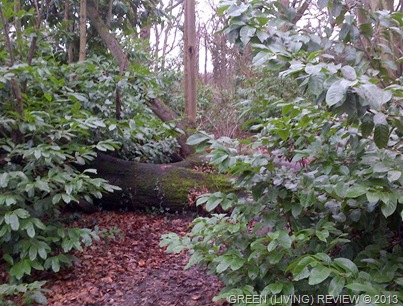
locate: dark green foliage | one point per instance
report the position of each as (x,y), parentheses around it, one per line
(329,221)
(69,115)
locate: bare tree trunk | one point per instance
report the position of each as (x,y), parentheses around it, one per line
(109,17)
(190,61)
(109,39)
(83,30)
(68,44)
(17,25)
(205,55)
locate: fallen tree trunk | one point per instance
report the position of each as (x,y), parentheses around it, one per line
(165,186)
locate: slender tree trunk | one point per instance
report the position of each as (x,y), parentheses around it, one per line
(109,17)
(83,30)
(17,25)
(66,19)
(190,61)
(109,39)
(205,55)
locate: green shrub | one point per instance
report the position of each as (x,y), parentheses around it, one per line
(322,212)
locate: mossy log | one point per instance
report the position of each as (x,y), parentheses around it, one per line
(165,186)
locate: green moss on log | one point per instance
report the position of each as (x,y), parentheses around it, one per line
(164,186)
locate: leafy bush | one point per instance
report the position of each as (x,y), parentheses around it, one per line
(44,157)
(323,207)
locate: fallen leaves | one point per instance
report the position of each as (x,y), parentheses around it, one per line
(131,269)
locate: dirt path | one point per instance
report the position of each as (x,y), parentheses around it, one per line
(131,269)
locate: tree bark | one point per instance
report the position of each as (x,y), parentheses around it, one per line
(165,186)
(190,61)
(108,38)
(83,30)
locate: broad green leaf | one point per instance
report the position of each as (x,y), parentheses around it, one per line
(33,252)
(237,263)
(260,59)
(197,139)
(222,8)
(322,235)
(272,245)
(30,230)
(388,208)
(394,175)
(346,264)
(194,259)
(21,213)
(55,265)
(335,94)
(373,95)
(336,285)
(381,135)
(359,287)
(315,84)
(246,33)
(20,269)
(349,73)
(356,191)
(12,220)
(274,288)
(275,257)
(367,125)
(284,240)
(212,203)
(283,133)
(318,275)
(224,263)
(236,10)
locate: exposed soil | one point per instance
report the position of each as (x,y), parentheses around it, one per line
(131,269)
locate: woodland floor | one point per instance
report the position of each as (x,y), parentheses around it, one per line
(131,269)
